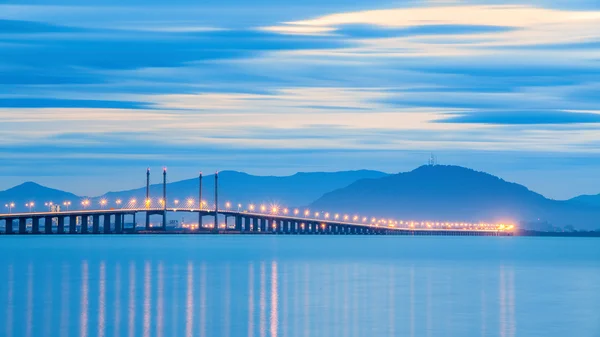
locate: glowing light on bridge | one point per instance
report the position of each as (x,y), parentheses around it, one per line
(10,206)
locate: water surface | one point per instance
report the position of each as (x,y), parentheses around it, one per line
(171,285)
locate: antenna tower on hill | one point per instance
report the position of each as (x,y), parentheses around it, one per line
(432,160)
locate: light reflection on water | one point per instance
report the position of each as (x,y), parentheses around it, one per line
(298,286)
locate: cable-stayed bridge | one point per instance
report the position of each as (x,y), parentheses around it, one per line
(121,216)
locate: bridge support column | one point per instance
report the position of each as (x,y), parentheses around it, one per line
(22,226)
(238,223)
(147,221)
(118,223)
(48,225)
(8,226)
(107,224)
(164,218)
(133,225)
(61,225)
(72,224)
(35,225)
(200,221)
(96,224)
(84,224)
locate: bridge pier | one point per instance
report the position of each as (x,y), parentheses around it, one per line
(72,224)
(107,229)
(238,223)
(48,225)
(35,225)
(60,229)
(8,226)
(22,226)
(96,224)
(147,220)
(84,224)
(118,223)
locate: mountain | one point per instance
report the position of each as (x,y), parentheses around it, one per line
(238,187)
(453,193)
(32,192)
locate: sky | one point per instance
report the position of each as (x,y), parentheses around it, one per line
(93,92)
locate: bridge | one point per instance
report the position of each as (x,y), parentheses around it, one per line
(244,220)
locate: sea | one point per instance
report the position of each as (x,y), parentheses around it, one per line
(293,286)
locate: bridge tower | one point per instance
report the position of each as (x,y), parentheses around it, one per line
(200,201)
(216,229)
(164,224)
(147,201)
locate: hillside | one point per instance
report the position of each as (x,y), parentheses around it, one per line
(32,192)
(453,193)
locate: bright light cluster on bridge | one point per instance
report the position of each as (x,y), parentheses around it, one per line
(192,204)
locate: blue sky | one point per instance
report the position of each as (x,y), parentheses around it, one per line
(91,94)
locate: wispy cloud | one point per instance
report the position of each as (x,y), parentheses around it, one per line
(102,82)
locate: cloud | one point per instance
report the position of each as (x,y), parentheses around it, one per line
(524,117)
(27,102)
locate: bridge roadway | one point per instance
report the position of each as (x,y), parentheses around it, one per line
(113,222)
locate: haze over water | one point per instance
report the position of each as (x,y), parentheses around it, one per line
(204,285)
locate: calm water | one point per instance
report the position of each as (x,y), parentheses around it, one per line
(298,286)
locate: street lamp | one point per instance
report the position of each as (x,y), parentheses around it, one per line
(67,204)
(30,205)
(239,207)
(102,203)
(118,202)
(176,202)
(10,206)
(228,205)
(85,203)
(49,205)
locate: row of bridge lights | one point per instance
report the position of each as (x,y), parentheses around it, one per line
(275,210)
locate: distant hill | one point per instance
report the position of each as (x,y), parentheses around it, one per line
(238,187)
(32,192)
(453,193)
